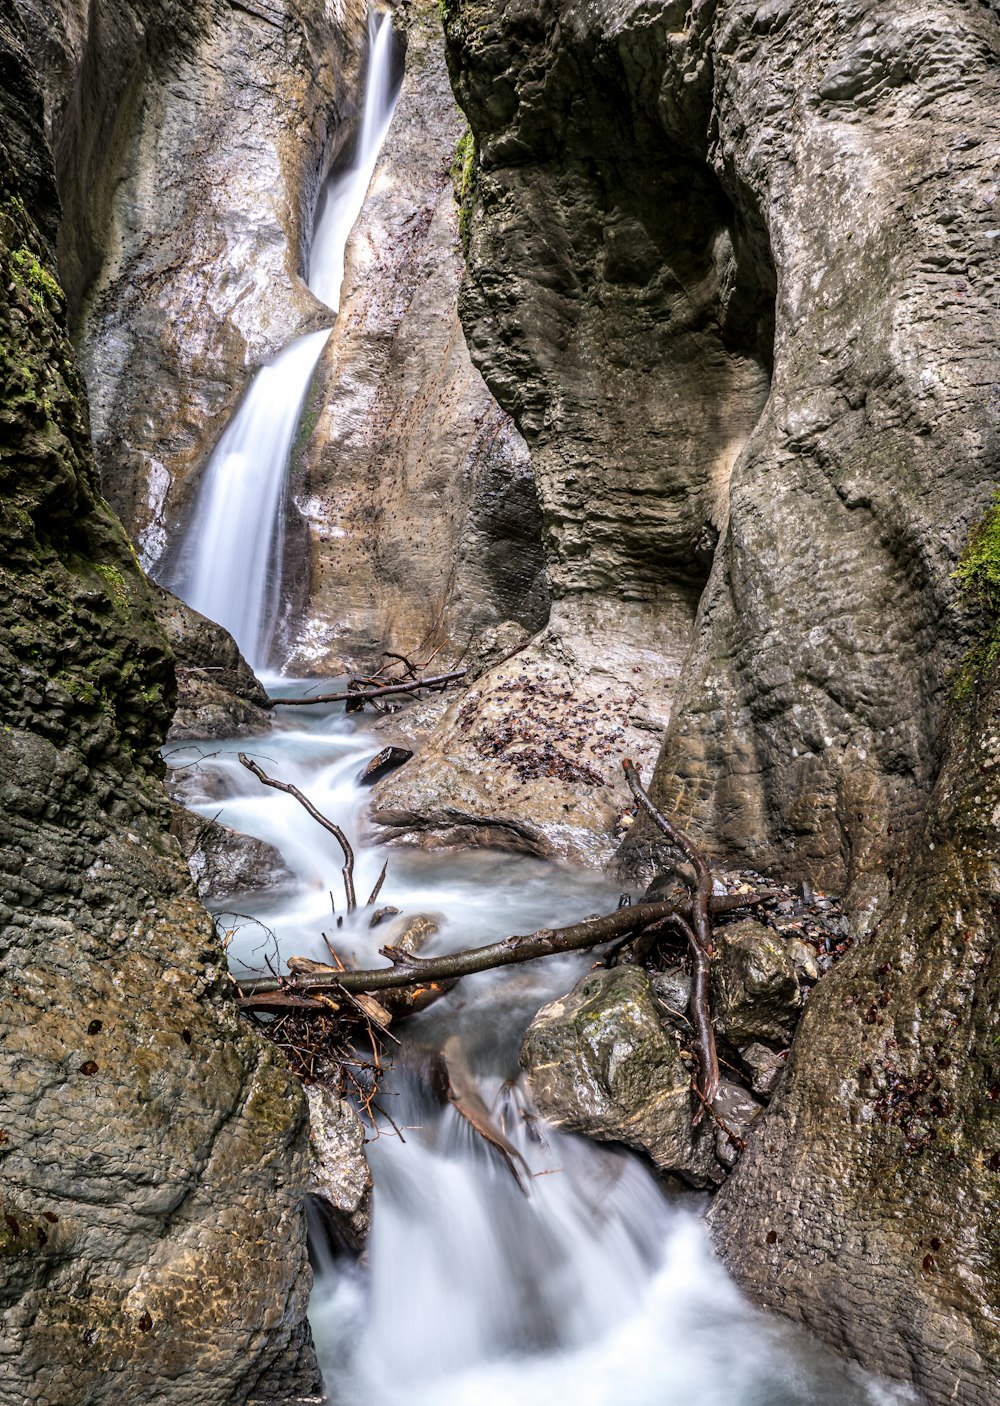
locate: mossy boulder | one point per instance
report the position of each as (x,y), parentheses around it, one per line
(601,1063)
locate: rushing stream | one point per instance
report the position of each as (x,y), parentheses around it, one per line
(596,1288)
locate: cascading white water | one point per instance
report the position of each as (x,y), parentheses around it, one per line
(230,565)
(595,1289)
(345,192)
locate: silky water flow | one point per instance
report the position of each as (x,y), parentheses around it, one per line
(230,565)
(595,1287)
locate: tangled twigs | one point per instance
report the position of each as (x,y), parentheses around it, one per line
(378,691)
(327,824)
(699,936)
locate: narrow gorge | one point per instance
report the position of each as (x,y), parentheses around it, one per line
(409,415)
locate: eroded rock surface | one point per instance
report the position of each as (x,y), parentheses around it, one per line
(191,140)
(218,694)
(866,1206)
(423,525)
(755,988)
(600,1062)
(151,1144)
(339,1176)
(642,174)
(835,165)
(530,756)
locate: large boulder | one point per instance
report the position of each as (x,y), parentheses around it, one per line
(600,1062)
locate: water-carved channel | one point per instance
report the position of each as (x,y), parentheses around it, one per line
(594,1284)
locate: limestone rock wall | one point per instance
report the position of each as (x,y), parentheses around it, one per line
(152,1149)
(191,141)
(423,530)
(846,155)
(730,268)
(619,304)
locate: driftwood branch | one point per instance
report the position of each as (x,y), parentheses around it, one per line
(378,691)
(325,821)
(699,936)
(407,970)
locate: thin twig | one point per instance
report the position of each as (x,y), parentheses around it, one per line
(327,824)
(378,887)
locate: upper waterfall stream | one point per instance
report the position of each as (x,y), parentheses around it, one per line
(230,564)
(598,1287)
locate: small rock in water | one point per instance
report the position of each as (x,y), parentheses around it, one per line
(764,1066)
(382,763)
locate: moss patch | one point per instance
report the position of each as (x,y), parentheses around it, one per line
(464,166)
(978,577)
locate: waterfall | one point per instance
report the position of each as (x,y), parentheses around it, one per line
(345,193)
(230,564)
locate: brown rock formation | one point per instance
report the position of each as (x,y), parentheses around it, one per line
(423,527)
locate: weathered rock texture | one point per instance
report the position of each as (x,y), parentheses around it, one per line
(150,1144)
(839,163)
(619,304)
(424,529)
(190,141)
(600,1062)
(867,1203)
(218,694)
(643,173)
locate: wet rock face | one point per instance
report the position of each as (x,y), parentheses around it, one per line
(150,1142)
(600,1062)
(421,521)
(755,989)
(190,140)
(218,694)
(340,1178)
(654,187)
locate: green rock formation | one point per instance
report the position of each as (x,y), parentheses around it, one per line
(152,1149)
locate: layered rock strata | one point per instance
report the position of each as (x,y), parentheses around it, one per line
(153,1149)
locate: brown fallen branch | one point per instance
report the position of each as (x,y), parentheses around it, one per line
(699,935)
(464,1096)
(408,970)
(369,695)
(327,824)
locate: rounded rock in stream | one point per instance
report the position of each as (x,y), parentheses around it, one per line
(601,1063)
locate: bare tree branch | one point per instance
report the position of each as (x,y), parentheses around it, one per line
(327,824)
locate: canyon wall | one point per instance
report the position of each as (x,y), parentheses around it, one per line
(422,525)
(152,1244)
(732,269)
